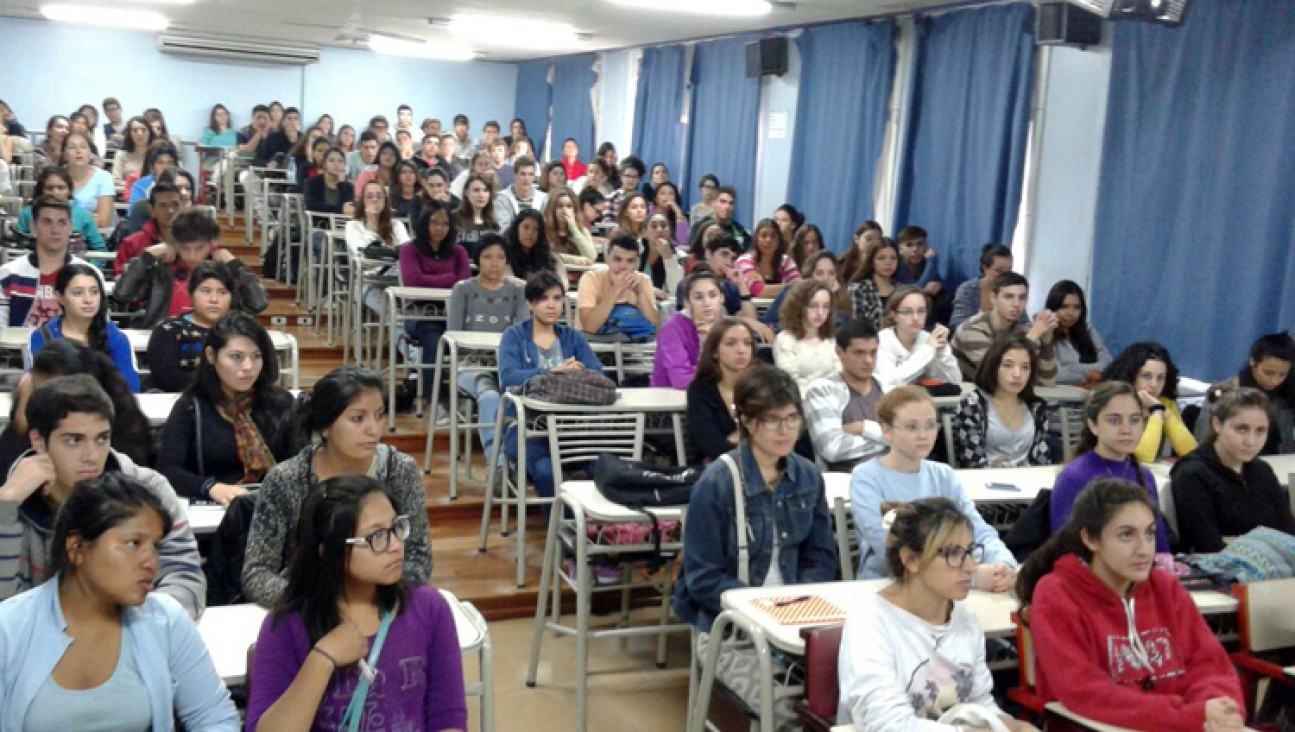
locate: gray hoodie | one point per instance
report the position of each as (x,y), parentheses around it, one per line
(27,529)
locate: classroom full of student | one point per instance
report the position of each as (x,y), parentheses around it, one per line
(849,371)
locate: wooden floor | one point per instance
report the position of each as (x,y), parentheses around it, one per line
(486,579)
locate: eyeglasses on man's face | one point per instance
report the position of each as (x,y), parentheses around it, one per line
(774,423)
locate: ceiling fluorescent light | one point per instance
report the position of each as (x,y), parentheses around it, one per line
(436,51)
(113,17)
(724,8)
(508,32)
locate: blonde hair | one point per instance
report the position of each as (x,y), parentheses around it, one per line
(897,399)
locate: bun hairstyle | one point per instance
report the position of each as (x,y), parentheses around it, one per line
(96,506)
(923,527)
(323,405)
(1092,511)
(1226,400)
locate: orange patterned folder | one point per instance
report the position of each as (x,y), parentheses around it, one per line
(793,610)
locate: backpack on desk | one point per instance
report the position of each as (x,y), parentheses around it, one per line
(578,386)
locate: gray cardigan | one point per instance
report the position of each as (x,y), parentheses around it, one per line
(278,507)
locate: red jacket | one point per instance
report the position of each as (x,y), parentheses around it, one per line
(132,245)
(575,169)
(1084,658)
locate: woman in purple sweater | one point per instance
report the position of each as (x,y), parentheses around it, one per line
(679,340)
(348,638)
(1113,422)
(432,259)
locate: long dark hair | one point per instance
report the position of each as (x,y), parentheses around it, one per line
(524,263)
(317,569)
(1077,335)
(330,397)
(95,507)
(465,216)
(1097,400)
(128,142)
(775,266)
(987,373)
(130,431)
(271,404)
(96,336)
(708,368)
(423,239)
(52,171)
(211,119)
(1096,505)
(1126,366)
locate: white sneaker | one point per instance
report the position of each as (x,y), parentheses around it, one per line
(442,416)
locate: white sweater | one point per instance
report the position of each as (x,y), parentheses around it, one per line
(805,361)
(899,673)
(359,236)
(897,365)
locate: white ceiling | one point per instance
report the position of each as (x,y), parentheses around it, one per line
(342,22)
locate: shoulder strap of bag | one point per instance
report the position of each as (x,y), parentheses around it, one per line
(355,710)
(739,517)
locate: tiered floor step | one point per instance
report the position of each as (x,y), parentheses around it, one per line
(487,579)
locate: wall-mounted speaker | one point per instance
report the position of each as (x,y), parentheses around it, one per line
(766,57)
(1064,24)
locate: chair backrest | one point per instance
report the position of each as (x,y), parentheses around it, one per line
(950,452)
(1071,424)
(579,438)
(1166,492)
(1025,647)
(822,687)
(1266,621)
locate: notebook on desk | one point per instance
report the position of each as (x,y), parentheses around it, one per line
(801,610)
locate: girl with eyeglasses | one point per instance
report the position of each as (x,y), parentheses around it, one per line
(1114,420)
(350,641)
(347,411)
(805,347)
(909,425)
(774,499)
(915,649)
(1117,639)
(905,352)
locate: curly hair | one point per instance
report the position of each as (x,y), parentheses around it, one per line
(796,307)
(1129,363)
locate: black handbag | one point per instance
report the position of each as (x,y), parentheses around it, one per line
(1032,529)
(636,484)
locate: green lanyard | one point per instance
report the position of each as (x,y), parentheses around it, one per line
(355,710)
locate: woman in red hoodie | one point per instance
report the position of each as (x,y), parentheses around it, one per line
(1116,639)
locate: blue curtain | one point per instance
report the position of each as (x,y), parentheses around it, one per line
(573,108)
(533,98)
(658,127)
(964,158)
(845,81)
(723,125)
(1195,235)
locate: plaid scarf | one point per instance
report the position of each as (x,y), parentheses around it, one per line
(252,450)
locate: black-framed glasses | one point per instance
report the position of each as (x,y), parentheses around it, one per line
(956,556)
(380,540)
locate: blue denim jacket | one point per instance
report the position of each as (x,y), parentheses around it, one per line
(796,509)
